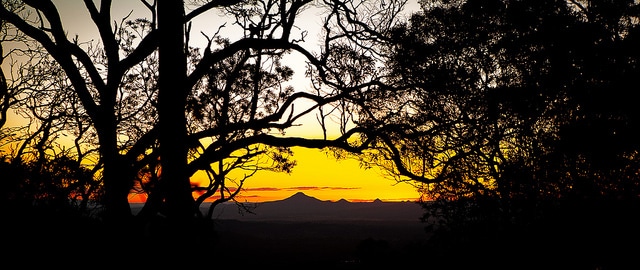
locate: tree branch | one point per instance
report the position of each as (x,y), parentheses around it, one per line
(208,6)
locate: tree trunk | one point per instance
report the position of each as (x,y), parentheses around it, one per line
(117,178)
(4,91)
(171,112)
(116,188)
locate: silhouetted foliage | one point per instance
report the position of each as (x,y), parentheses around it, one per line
(513,117)
(52,186)
(513,113)
(146,112)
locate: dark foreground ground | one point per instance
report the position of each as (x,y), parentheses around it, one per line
(598,245)
(586,241)
(334,245)
(39,242)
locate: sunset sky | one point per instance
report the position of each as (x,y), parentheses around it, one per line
(316,174)
(326,179)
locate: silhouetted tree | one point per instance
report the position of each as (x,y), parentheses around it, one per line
(514,116)
(4,90)
(96,93)
(38,176)
(8,91)
(53,127)
(172,122)
(219,104)
(502,107)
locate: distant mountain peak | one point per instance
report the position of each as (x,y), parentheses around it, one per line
(300,197)
(300,193)
(377,200)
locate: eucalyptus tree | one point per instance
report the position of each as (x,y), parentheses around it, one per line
(4,90)
(495,101)
(159,103)
(96,88)
(45,169)
(246,104)
(8,89)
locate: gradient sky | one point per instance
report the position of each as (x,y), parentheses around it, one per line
(316,174)
(325,178)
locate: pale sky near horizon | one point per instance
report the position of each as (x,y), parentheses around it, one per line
(315,174)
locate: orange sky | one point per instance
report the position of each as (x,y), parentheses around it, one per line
(326,178)
(315,174)
(319,174)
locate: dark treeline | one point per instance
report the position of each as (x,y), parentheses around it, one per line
(520,117)
(517,120)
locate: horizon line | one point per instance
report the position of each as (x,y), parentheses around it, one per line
(301,192)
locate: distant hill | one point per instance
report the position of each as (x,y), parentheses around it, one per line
(306,232)
(301,207)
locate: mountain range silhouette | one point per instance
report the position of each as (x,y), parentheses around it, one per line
(302,207)
(302,229)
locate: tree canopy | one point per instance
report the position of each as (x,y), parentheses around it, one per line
(511,112)
(147,108)
(499,110)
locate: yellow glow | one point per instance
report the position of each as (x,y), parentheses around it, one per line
(319,175)
(316,174)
